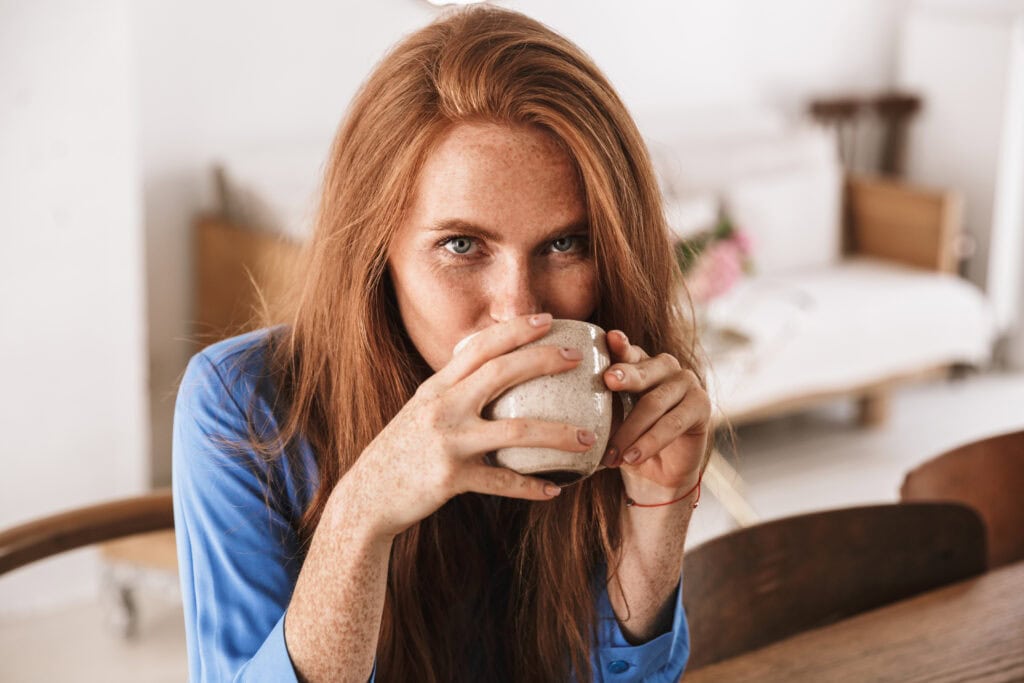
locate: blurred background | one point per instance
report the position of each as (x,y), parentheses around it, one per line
(844,178)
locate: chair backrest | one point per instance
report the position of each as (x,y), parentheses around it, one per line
(988,475)
(763,583)
(84,526)
(887,115)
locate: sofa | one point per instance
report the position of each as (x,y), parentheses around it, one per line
(854,290)
(854,287)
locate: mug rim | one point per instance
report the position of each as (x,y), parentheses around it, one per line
(461,344)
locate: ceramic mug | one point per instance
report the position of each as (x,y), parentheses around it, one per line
(576,397)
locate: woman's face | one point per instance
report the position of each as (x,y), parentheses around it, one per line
(497,229)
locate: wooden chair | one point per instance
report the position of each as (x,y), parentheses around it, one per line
(761,584)
(42,538)
(891,112)
(988,475)
(140,529)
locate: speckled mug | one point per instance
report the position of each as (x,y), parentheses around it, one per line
(577,397)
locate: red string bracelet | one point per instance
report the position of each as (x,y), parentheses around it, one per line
(630,503)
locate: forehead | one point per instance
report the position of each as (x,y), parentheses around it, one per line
(499,177)
(504,144)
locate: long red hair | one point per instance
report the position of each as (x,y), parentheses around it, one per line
(497,587)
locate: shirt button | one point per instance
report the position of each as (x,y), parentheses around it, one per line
(618,666)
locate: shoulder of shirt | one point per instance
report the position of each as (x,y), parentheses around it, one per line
(226,385)
(238,362)
(227,350)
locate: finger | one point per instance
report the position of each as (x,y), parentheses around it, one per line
(648,410)
(621,350)
(641,376)
(490,435)
(691,416)
(501,481)
(488,343)
(504,372)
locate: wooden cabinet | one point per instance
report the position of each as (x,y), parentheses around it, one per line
(241,275)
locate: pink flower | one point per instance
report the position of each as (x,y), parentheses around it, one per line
(717,270)
(744,241)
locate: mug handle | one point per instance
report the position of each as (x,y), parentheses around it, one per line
(626,399)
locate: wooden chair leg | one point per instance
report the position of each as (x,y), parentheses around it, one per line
(120,608)
(873,408)
(725,483)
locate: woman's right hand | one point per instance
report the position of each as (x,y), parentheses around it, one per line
(434,447)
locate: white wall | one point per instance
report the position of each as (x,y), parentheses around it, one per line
(967,60)
(219,78)
(103,99)
(967,57)
(73,405)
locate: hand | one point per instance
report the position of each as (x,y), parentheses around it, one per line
(661,443)
(434,447)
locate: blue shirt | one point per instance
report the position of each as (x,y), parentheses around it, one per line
(239,556)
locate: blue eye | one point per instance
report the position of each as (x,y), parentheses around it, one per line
(567,244)
(459,245)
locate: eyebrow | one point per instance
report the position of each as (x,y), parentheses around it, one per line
(465,227)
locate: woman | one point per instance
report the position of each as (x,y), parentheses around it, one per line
(336,517)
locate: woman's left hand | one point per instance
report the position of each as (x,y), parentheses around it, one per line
(660,445)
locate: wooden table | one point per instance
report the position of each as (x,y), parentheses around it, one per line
(969,631)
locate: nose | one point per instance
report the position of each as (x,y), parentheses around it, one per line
(513,292)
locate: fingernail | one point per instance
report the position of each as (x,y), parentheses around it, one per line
(571,354)
(623,337)
(631,456)
(551,490)
(540,320)
(619,374)
(609,457)
(585,437)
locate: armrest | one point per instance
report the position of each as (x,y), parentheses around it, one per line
(83,526)
(900,222)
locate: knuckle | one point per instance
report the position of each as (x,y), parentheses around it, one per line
(669,359)
(503,479)
(675,423)
(426,391)
(437,414)
(492,369)
(657,399)
(515,430)
(703,401)
(661,395)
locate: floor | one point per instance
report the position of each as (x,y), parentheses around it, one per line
(812,461)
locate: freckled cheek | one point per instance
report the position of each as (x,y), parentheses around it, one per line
(451,295)
(572,292)
(434,307)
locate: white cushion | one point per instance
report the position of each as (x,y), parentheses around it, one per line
(792,216)
(784,187)
(861,321)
